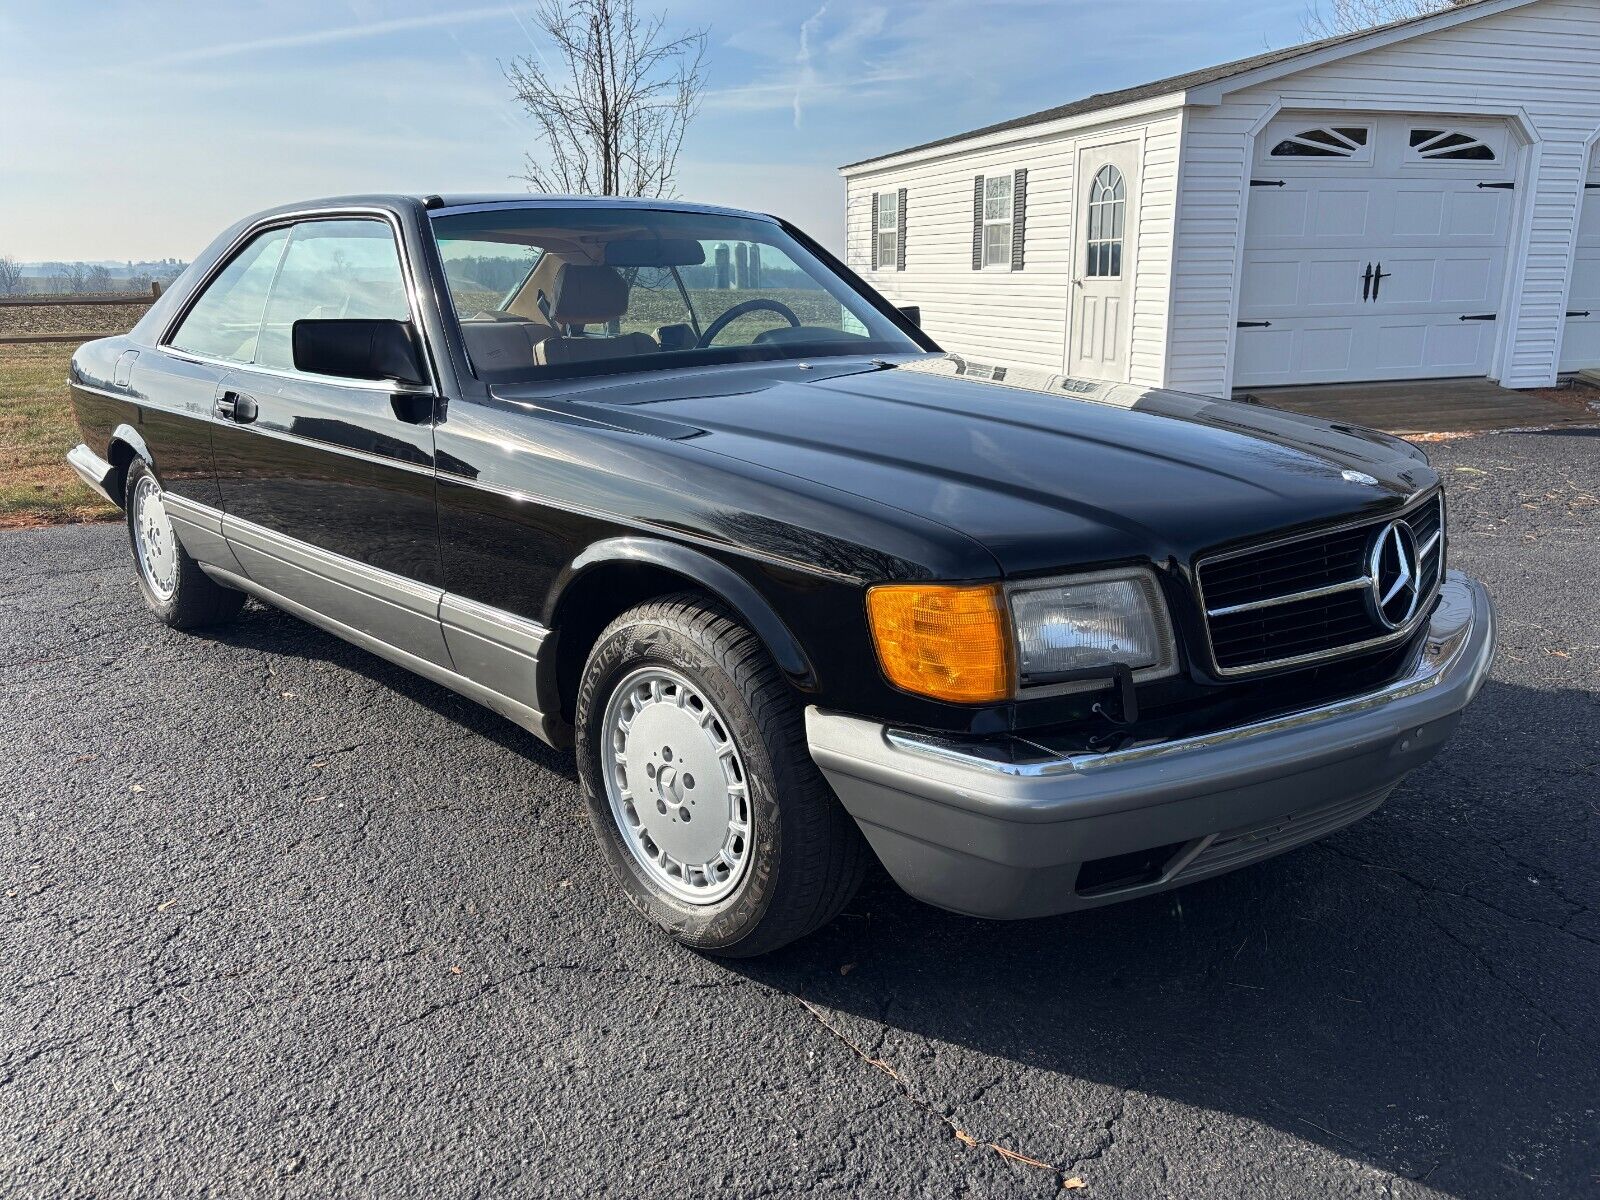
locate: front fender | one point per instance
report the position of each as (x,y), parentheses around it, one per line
(716,577)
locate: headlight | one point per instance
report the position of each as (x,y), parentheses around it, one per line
(978,643)
(1091,622)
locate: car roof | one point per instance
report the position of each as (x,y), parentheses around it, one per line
(458,201)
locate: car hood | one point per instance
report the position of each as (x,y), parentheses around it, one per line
(1047,472)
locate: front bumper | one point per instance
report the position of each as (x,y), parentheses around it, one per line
(980,829)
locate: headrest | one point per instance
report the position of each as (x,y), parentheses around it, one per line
(586,295)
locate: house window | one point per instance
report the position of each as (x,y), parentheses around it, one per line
(886,236)
(1450,145)
(1108,203)
(997,221)
(1324,141)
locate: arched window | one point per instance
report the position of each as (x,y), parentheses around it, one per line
(1108,203)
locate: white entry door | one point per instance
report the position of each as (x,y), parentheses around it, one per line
(1580,347)
(1375,248)
(1100,326)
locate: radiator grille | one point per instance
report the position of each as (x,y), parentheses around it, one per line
(1311,598)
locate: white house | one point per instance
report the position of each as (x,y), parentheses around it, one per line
(1403,203)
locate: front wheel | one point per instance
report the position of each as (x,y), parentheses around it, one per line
(700,788)
(171,582)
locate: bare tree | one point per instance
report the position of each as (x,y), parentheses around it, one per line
(1329,18)
(67,276)
(612,102)
(10,276)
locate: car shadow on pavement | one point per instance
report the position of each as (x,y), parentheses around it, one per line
(268,630)
(1417,992)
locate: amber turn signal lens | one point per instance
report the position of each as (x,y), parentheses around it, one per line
(947,641)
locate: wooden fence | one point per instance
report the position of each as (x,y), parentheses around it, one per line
(60,299)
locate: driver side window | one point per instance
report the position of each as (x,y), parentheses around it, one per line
(333,268)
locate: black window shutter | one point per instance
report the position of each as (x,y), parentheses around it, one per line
(872,240)
(1019,216)
(900,234)
(977,222)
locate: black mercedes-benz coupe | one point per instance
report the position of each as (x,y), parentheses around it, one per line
(669,484)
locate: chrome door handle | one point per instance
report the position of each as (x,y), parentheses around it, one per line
(236,406)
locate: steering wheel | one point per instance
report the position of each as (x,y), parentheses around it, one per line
(759,304)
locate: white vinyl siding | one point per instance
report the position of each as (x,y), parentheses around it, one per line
(1536,65)
(1019,316)
(1541,60)
(1152,255)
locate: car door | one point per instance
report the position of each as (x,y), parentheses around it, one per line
(216,333)
(327,484)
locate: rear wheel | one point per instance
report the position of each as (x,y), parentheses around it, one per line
(699,787)
(171,582)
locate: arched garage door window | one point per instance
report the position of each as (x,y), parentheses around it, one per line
(1108,202)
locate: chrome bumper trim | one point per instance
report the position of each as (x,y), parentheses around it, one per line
(1449,631)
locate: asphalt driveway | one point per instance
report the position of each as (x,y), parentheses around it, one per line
(279,918)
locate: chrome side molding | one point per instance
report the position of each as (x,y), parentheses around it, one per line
(493,647)
(199,528)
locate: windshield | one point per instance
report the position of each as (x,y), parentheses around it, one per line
(546,293)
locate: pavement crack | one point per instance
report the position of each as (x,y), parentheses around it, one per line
(1423,885)
(921,1102)
(1106,1140)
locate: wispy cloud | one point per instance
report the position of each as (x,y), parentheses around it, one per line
(806,72)
(768,97)
(834,59)
(329,36)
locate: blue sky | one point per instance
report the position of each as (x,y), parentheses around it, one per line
(140,130)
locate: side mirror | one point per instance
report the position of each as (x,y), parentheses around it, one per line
(360,349)
(912,313)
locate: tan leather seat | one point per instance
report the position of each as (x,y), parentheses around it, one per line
(496,344)
(589,295)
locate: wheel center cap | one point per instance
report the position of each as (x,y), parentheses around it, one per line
(669,786)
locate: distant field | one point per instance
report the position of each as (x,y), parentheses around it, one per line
(70,318)
(649,310)
(37,428)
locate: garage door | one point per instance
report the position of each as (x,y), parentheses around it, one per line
(1375,248)
(1580,349)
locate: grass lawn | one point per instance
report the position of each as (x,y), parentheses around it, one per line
(37,429)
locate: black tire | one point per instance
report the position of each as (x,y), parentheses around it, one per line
(807,856)
(196,599)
